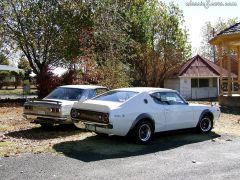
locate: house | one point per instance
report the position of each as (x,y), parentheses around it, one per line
(198,78)
(8,75)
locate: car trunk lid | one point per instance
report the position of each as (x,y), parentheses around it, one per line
(97,105)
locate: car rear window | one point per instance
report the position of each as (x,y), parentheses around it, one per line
(116,96)
(71,94)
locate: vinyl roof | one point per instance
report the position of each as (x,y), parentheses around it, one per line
(145,89)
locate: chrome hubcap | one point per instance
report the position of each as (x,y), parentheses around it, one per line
(144,132)
(205,124)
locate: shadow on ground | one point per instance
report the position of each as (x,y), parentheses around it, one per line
(97,148)
(39,133)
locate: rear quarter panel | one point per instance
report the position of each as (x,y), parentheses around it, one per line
(123,117)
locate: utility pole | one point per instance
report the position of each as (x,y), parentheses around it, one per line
(214,52)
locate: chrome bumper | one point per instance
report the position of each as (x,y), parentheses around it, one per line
(36,118)
(80,123)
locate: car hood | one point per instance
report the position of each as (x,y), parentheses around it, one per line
(97,105)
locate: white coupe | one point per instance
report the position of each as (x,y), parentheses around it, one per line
(141,112)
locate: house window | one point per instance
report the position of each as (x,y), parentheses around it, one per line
(203,82)
(194,83)
(198,83)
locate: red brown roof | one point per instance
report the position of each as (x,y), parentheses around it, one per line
(199,67)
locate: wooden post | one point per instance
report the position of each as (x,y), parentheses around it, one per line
(220,56)
(238,55)
(229,72)
(218,91)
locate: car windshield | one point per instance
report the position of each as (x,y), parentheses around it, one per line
(116,96)
(71,94)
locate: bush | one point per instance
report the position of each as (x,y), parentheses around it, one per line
(46,82)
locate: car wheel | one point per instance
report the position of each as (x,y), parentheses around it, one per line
(205,125)
(143,132)
(46,125)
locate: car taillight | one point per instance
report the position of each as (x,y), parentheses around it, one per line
(55,110)
(105,118)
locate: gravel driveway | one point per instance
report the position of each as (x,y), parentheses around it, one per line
(170,157)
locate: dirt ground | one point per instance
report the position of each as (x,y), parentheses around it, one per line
(18,136)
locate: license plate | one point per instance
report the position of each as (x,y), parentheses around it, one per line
(90,127)
(42,112)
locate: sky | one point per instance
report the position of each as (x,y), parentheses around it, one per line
(196,14)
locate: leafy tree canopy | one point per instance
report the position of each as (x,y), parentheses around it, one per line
(3,60)
(23,64)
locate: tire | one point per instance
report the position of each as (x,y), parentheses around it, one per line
(46,125)
(143,132)
(205,125)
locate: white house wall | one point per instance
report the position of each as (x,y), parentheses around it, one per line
(204,92)
(172,84)
(185,87)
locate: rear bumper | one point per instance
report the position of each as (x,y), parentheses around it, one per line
(93,126)
(102,125)
(47,119)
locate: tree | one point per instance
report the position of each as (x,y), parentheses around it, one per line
(3,60)
(115,43)
(209,30)
(24,64)
(162,45)
(45,31)
(138,42)
(110,42)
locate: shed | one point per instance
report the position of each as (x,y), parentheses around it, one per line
(198,78)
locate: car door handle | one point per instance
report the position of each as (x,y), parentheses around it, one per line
(168,110)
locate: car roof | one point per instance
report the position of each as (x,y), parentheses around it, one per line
(83,86)
(146,89)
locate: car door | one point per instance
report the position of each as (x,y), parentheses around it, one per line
(178,113)
(158,112)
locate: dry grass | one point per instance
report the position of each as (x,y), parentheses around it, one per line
(19,136)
